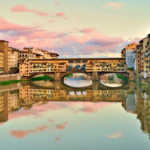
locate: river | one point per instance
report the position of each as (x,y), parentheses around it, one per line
(75,114)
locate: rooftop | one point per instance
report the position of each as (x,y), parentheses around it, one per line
(4,41)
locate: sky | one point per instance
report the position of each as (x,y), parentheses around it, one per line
(74,29)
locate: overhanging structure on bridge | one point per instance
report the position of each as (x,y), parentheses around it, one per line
(61,67)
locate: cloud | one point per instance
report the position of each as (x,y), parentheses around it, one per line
(60,14)
(65,18)
(23,133)
(62,126)
(57,139)
(90,42)
(86,30)
(114,5)
(22,8)
(51,21)
(52,120)
(57,3)
(115,136)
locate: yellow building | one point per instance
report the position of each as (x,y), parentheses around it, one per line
(145,56)
(39,52)
(13,59)
(4,49)
(138,57)
(1,61)
(3,107)
(13,101)
(29,67)
(106,65)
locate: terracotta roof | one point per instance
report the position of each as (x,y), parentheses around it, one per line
(4,41)
(131,46)
(28,47)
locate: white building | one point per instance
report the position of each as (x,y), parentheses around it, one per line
(129,58)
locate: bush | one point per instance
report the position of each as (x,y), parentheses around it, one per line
(11,82)
(69,75)
(121,77)
(45,78)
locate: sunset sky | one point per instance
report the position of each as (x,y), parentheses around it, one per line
(79,28)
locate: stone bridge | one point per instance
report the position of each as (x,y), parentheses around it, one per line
(58,68)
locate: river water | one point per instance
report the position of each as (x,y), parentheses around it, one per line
(75,114)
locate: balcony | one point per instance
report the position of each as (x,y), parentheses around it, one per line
(146,59)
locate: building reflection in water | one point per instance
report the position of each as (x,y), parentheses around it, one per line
(135,99)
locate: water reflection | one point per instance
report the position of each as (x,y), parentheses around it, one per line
(58,113)
(78,80)
(111,80)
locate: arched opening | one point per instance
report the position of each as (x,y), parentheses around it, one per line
(78,80)
(84,93)
(78,67)
(111,80)
(78,93)
(71,93)
(84,67)
(71,67)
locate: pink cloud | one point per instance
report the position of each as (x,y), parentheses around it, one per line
(57,139)
(65,123)
(87,30)
(52,120)
(23,133)
(51,21)
(62,126)
(60,14)
(22,8)
(57,3)
(89,44)
(65,18)
(114,5)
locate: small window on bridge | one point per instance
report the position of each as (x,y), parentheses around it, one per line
(78,61)
(71,61)
(84,61)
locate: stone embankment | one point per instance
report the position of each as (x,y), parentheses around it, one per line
(10,77)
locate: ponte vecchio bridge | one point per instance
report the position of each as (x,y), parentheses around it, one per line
(58,68)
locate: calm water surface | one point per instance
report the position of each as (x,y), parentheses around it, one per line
(76,114)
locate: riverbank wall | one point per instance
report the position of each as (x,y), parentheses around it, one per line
(10,77)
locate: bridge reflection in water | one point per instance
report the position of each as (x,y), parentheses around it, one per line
(134,98)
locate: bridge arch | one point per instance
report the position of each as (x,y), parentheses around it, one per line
(78,67)
(71,93)
(71,67)
(78,93)
(84,67)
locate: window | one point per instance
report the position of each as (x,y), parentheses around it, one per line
(84,61)
(71,61)
(78,61)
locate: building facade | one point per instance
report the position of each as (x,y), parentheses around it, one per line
(13,54)
(34,66)
(1,61)
(4,50)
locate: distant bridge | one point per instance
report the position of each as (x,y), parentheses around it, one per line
(59,68)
